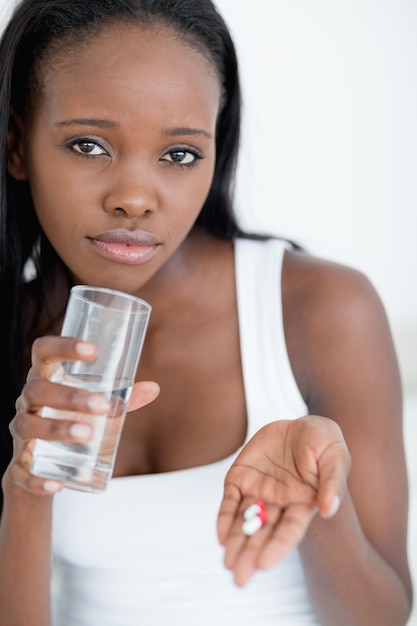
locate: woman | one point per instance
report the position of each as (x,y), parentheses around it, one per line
(277,394)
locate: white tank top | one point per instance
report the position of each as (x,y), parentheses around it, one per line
(145,552)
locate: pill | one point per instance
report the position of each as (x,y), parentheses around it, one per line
(252,525)
(252,510)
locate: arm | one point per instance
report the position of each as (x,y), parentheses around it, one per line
(343,359)
(26,522)
(356,564)
(25,537)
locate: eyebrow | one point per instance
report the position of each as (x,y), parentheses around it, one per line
(169,132)
(88,122)
(185,130)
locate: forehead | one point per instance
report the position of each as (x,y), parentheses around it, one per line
(130,61)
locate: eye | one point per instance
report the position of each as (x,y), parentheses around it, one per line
(182,156)
(87,147)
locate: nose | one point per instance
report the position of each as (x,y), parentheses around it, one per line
(130,192)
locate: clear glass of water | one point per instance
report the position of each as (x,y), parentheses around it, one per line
(116,322)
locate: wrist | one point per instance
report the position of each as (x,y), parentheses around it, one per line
(18,498)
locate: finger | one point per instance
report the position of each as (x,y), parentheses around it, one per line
(28,426)
(228,511)
(18,474)
(242,551)
(48,352)
(288,532)
(143,393)
(38,393)
(333,473)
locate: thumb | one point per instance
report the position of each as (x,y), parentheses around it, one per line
(143,393)
(333,473)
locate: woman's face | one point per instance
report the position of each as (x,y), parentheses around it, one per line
(120,153)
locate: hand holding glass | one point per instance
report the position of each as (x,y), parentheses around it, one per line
(116,323)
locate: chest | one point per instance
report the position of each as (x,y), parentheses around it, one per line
(200,414)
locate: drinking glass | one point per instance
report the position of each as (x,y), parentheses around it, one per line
(116,322)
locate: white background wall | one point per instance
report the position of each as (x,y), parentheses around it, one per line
(329,152)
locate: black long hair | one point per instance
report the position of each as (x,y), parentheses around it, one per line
(37,31)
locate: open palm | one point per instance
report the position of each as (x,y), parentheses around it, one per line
(297,467)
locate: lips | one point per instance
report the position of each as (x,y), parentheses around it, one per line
(123,246)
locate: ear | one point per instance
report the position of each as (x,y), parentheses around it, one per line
(16,161)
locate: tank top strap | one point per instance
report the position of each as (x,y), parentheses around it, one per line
(270,387)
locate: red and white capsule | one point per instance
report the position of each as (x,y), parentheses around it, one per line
(255,517)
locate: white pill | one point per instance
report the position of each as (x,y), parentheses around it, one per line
(251,511)
(252,525)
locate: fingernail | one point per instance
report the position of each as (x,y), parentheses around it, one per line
(80,431)
(84,348)
(335,506)
(98,403)
(51,486)
(313,512)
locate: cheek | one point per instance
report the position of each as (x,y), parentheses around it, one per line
(60,215)
(59,199)
(190,204)
(48,193)
(52,205)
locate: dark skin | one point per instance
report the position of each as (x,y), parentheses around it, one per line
(175,435)
(348,450)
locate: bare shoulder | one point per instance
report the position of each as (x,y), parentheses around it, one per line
(335,323)
(308,276)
